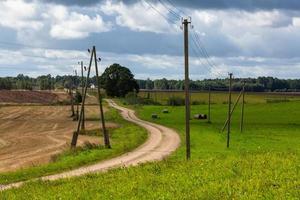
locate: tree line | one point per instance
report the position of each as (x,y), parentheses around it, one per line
(45,82)
(117,81)
(48,82)
(260,84)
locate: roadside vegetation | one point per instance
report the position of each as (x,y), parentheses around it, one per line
(125,138)
(263,162)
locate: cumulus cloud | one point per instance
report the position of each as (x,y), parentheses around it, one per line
(17,14)
(140,16)
(73,25)
(204,4)
(247,42)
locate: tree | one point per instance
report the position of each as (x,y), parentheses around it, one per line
(45,82)
(78,97)
(118,80)
(161,84)
(149,84)
(5,84)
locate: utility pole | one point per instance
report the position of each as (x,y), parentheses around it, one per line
(229,110)
(186,23)
(82,91)
(105,134)
(71,96)
(77,103)
(76,133)
(209,101)
(243,105)
(232,109)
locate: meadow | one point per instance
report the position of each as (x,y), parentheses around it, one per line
(263,162)
(220,97)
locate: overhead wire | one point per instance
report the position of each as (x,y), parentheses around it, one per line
(195,37)
(171,21)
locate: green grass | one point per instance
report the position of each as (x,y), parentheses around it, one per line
(244,177)
(263,162)
(220,97)
(123,139)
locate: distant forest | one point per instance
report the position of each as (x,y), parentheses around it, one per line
(260,84)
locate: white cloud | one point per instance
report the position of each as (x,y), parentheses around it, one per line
(57,62)
(17,14)
(296,21)
(73,25)
(140,16)
(273,19)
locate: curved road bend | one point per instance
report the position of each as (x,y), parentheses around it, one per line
(162,141)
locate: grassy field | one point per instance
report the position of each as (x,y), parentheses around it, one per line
(263,162)
(219,97)
(123,139)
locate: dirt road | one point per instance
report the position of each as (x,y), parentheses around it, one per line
(162,142)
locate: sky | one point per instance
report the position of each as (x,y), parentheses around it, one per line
(249,38)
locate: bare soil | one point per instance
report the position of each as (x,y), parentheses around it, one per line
(38,97)
(31,135)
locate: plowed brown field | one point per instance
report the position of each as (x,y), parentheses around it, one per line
(39,97)
(31,135)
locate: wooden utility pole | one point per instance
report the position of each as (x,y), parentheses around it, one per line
(82,91)
(209,101)
(232,110)
(72,100)
(105,133)
(186,23)
(76,133)
(243,105)
(77,103)
(229,110)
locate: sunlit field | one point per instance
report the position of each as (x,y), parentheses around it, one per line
(262,162)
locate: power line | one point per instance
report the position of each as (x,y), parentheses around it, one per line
(170,21)
(199,45)
(200,50)
(177,16)
(159,12)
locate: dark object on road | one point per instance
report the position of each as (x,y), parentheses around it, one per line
(200,116)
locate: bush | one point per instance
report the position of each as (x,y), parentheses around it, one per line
(176,101)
